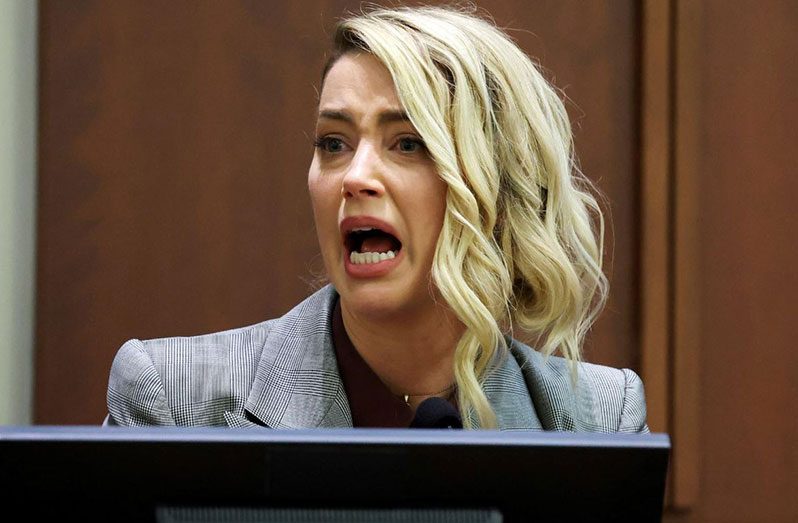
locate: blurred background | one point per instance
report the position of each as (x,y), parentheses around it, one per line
(153,160)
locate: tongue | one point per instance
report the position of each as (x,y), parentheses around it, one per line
(376,244)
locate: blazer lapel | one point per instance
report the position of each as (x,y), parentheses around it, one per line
(237,421)
(507,393)
(297,384)
(559,404)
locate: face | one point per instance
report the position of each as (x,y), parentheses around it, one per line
(377,199)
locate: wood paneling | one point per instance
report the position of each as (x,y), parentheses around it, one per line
(174,145)
(749,365)
(656,206)
(685,420)
(743,378)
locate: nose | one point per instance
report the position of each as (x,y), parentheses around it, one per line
(363,178)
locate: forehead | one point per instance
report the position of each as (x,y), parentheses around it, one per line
(358,79)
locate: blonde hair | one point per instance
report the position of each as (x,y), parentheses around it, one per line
(522,235)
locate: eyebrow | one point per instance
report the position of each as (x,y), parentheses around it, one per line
(385,116)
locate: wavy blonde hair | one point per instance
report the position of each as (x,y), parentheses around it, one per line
(522,235)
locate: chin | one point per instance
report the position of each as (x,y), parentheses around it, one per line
(377,300)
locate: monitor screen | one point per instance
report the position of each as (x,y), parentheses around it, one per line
(331,475)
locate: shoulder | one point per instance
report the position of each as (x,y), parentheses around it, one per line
(184,380)
(208,351)
(602,399)
(193,380)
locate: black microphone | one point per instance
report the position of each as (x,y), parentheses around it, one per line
(436,413)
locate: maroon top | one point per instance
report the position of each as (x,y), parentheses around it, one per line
(371,402)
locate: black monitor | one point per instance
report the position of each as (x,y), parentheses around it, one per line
(331,475)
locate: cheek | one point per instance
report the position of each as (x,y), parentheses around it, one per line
(319,190)
(438,210)
(324,200)
(436,201)
(428,208)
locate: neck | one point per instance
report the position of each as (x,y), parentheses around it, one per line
(412,354)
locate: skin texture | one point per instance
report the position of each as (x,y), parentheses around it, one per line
(370,162)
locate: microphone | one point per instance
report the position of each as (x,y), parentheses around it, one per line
(436,413)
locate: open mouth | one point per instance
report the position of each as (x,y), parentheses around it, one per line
(371,245)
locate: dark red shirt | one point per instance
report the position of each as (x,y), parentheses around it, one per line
(372,403)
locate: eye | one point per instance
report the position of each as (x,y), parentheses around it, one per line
(410,145)
(329,144)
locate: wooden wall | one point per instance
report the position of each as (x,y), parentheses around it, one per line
(175,141)
(735,78)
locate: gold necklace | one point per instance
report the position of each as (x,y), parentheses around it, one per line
(448,389)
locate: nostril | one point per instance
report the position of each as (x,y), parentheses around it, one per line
(362,192)
(361,187)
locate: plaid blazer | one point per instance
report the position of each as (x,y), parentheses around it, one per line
(282,373)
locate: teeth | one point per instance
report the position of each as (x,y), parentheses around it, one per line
(363,229)
(359,258)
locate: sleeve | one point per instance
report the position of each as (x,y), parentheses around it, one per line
(633,413)
(136,394)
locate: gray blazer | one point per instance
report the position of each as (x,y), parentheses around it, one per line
(282,373)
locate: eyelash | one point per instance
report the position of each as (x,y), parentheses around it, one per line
(416,141)
(322,142)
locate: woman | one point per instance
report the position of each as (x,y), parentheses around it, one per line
(448,209)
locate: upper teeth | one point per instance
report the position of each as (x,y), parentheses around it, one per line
(370,257)
(363,229)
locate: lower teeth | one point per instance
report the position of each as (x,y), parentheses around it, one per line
(359,258)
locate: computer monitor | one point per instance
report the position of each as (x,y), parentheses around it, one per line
(331,475)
